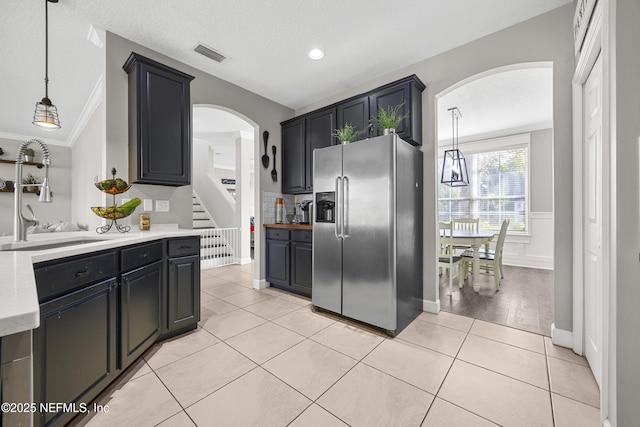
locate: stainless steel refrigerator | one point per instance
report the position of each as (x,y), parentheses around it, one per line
(367,231)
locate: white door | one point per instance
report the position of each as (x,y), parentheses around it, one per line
(592,219)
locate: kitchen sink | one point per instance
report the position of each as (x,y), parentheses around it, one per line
(49,244)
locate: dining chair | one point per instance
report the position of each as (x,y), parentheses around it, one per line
(490,260)
(467,224)
(447,259)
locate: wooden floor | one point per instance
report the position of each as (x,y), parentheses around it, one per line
(525,299)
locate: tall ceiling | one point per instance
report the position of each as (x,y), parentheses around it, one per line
(266,43)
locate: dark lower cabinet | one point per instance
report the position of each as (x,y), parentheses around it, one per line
(99,312)
(301,267)
(278,262)
(74,349)
(140,293)
(182,308)
(184,292)
(289,260)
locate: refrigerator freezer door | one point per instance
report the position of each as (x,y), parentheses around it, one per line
(327,246)
(368,266)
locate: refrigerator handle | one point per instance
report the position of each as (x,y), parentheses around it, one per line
(345,207)
(337,208)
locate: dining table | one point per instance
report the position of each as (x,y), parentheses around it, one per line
(474,239)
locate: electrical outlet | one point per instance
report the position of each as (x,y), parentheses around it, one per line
(162,206)
(123,201)
(147,205)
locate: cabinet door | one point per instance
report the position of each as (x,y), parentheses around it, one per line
(355,112)
(293,157)
(183,299)
(74,349)
(160,123)
(319,127)
(140,292)
(301,267)
(390,97)
(278,262)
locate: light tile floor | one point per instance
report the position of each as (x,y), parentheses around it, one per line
(265,358)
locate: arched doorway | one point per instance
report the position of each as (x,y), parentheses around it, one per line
(225,174)
(506,134)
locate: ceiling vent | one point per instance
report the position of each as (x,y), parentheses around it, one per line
(210,53)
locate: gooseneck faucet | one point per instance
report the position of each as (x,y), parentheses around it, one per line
(20,222)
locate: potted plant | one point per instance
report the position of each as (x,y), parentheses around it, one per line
(30,179)
(388,120)
(345,134)
(28,154)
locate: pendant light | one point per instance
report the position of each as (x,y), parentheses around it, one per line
(454,165)
(46,114)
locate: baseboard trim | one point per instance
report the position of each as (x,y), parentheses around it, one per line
(259,283)
(561,337)
(431,306)
(244,261)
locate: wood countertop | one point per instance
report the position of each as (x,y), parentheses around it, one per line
(290,226)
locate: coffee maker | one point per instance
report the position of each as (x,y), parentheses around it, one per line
(306,206)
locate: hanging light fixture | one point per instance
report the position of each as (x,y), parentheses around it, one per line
(454,165)
(46,114)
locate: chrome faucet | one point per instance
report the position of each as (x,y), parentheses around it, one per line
(20,222)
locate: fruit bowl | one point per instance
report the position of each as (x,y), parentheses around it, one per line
(117,212)
(109,212)
(113,186)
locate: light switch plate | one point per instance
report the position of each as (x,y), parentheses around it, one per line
(162,206)
(147,205)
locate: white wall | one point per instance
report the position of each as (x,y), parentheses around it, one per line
(87,164)
(59,176)
(210,190)
(545,38)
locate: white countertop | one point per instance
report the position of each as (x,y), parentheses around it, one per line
(19,308)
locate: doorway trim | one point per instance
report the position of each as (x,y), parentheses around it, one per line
(597,42)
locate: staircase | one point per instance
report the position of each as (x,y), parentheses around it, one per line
(201,218)
(216,244)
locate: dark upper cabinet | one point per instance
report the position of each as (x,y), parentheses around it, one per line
(299,138)
(356,112)
(293,157)
(319,127)
(408,93)
(159,123)
(301,135)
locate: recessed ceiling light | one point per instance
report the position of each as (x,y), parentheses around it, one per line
(316,54)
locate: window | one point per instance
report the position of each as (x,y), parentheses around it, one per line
(499,183)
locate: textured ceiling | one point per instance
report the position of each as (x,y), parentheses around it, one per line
(504,103)
(266,43)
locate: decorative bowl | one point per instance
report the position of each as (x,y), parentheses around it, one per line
(109,212)
(112,186)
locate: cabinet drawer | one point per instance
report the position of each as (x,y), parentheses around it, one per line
(137,256)
(64,276)
(303,236)
(277,234)
(184,247)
